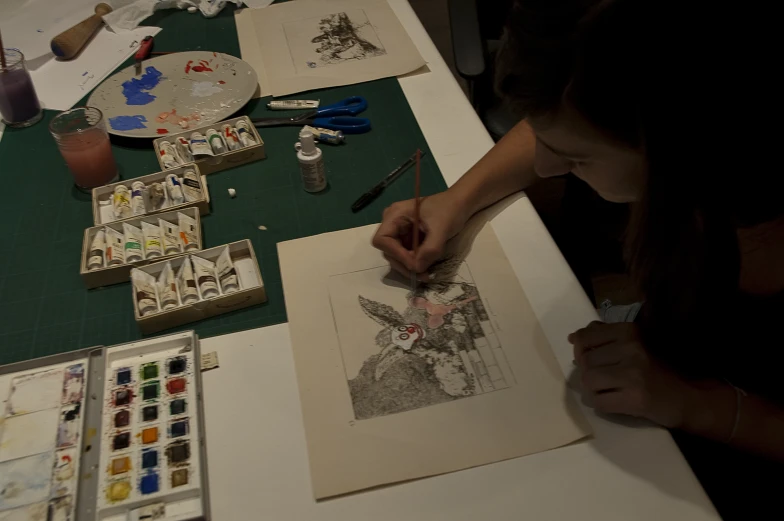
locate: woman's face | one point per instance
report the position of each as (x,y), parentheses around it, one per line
(568,143)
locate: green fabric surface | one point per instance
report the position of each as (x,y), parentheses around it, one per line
(44,306)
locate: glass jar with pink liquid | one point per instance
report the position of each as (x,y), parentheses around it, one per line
(81,135)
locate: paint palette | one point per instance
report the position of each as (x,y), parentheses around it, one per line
(39,441)
(175,92)
(131,414)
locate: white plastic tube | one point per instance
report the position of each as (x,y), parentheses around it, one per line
(134,251)
(171,237)
(152,241)
(121,202)
(187,282)
(144,291)
(227,275)
(174,188)
(167,288)
(191,186)
(97,251)
(187,224)
(205,277)
(137,198)
(115,247)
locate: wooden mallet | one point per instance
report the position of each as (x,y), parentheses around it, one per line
(70,42)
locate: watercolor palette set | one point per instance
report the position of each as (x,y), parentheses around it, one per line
(192,287)
(212,151)
(151,194)
(105,434)
(110,251)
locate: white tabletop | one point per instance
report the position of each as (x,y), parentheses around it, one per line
(258,465)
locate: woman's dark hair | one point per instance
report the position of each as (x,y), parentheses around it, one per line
(644,76)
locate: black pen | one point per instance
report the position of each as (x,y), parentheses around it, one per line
(369,196)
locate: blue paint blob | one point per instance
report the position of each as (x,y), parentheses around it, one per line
(128,122)
(149,483)
(135,89)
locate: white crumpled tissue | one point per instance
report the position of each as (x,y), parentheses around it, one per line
(128,14)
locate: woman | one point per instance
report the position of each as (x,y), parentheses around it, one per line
(627,95)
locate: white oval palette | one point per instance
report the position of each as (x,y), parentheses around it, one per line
(174,92)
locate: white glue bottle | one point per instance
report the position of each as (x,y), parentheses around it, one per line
(311,164)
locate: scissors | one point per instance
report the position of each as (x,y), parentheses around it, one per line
(337,116)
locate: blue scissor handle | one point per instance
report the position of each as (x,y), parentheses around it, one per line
(347,125)
(350,106)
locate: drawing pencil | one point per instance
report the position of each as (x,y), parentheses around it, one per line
(370,196)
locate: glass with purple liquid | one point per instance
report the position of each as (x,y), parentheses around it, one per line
(19,106)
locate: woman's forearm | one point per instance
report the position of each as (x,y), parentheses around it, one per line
(715,408)
(507,168)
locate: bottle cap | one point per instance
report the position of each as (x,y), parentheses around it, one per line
(307,142)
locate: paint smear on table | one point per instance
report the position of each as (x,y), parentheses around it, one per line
(128,122)
(73,384)
(35,392)
(136,90)
(203,89)
(26,480)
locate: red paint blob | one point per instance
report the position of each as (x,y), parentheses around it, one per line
(162,131)
(175,385)
(221,82)
(188,66)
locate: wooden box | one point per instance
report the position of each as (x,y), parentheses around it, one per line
(251,290)
(218,162)
(107,276)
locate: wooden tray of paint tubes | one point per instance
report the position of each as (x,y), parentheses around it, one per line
(193,287)
(106,434)
(143,240)
(156,194)
(242,144)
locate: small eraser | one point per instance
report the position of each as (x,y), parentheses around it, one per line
(209,361)
(232,193)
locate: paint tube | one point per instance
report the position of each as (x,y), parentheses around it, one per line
(144,290)
(199,146)
(325,135)
(246,136)
(167,288)
(133,243)
(183,147)
(188,232)
(231,137)
(191,186)
(174,188)
(115,247)
(205,277)
(121,202)
(168,155)
(157,195)
(227,275)
(187,283)
(137,198)
(171,237)
(97,251)
(152,241)
(293,104)
(216,141)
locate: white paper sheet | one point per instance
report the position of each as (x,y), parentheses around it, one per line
(30,26)
(60,84)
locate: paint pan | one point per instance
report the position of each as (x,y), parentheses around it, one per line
(140,434)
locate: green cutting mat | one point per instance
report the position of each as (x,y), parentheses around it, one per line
(44,307)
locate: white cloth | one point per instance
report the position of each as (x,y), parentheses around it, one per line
(128,14)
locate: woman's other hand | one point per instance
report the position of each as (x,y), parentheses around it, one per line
(440,219)
(619,376)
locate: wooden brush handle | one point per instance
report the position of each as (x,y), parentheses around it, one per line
(68,43)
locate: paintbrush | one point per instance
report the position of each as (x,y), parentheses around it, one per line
(2,54)
(416,221)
